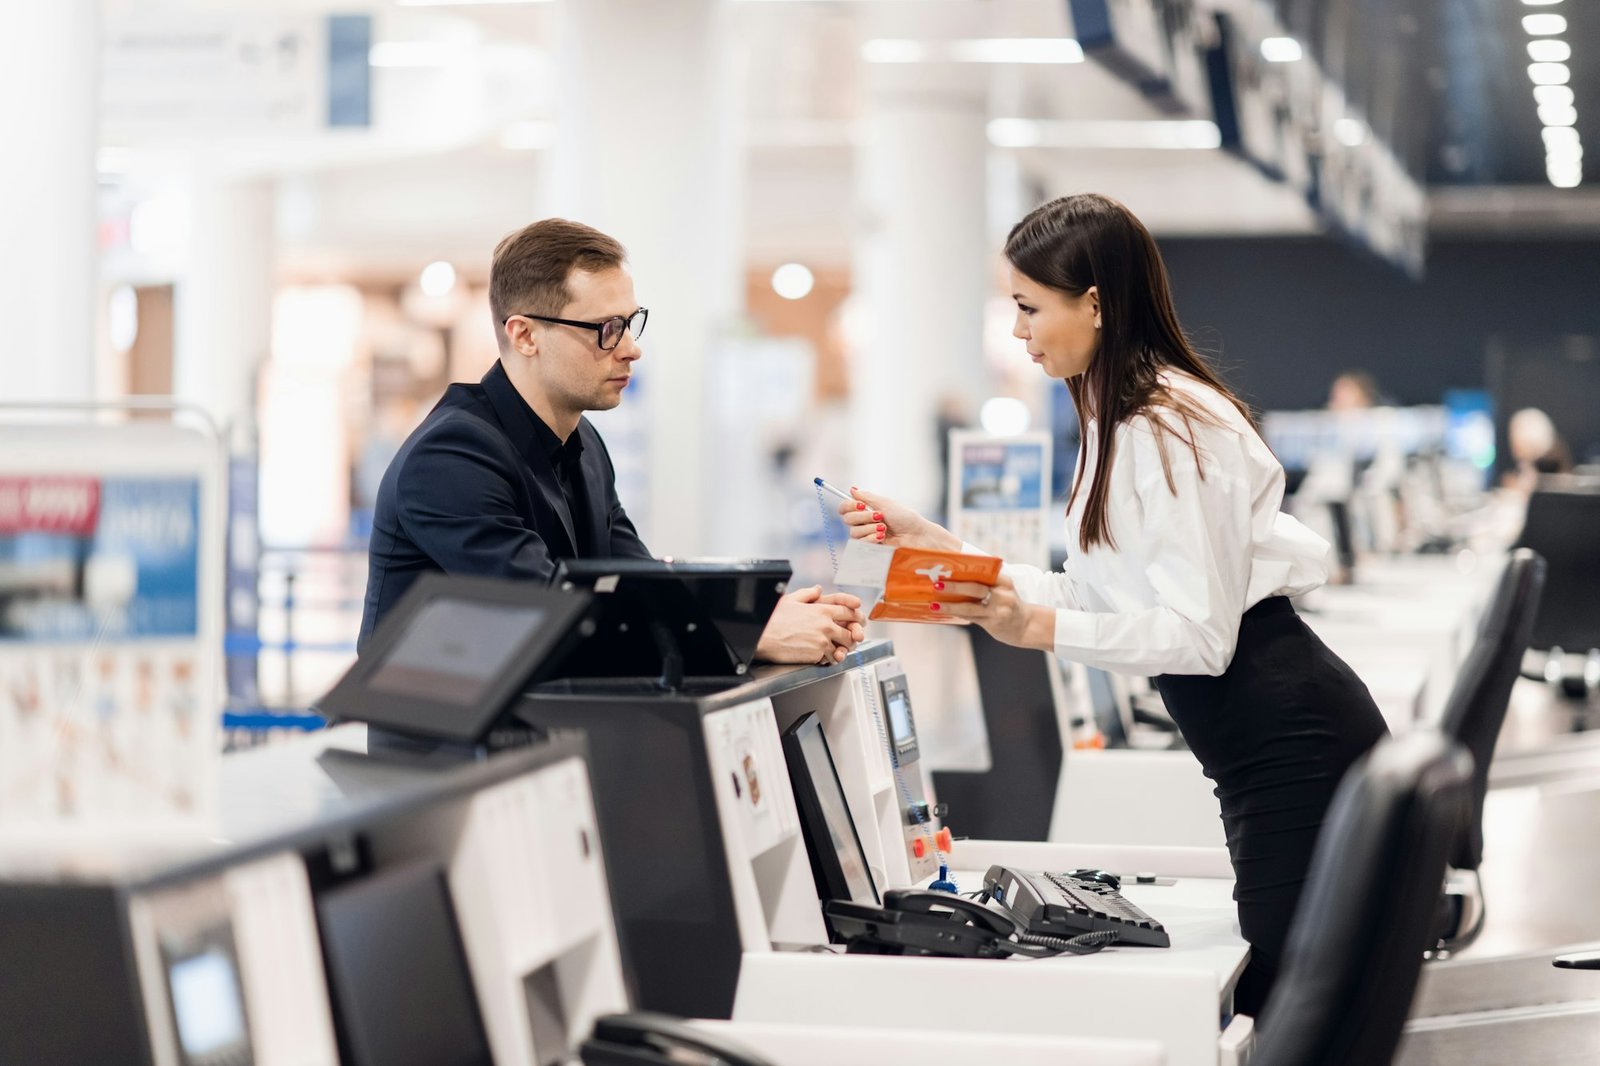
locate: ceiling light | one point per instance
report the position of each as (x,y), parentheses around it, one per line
(1017,50)
(1564,173)
(793,281)
(1544,25)
(1560,138)
(976,50)
(1162,134)
(1281,50)
(1558,115)
(1540,3)
(1549,73)
(1554,94)
(437,279)
(1549,51)
(1351,132)
(505,3)
(1004,416)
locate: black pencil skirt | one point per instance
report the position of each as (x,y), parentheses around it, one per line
(1275,732)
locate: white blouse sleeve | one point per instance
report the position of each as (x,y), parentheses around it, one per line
(1045,587)
(1195,548)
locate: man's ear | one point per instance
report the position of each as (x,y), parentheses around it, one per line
(521,338)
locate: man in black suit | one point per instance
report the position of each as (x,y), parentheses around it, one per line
(505,477)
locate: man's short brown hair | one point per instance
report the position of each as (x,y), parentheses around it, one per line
(531,266)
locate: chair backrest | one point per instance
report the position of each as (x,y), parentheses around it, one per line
(1477,705)
(1564,527)
(1367,912)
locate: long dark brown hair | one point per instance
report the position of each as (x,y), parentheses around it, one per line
(1078,241)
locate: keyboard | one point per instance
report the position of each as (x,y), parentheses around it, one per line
(1060,905)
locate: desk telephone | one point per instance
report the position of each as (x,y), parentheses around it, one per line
(645,1038)
(919,922)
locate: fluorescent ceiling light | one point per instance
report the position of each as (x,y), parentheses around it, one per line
(1549,51)
(1554,94)
(466,3)
(1544,25)
(1351,132)
(1281,50)
(1017,50)
(1564,175)
(1558,115)
(1549,73)
(1104,133)
(1561,138)
(1540,3)
(976,50)
(409,54)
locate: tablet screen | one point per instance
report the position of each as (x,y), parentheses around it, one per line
(453,649)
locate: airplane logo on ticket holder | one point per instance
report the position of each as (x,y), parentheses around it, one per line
(936,573)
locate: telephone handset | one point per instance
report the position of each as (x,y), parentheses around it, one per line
(919,922)
(645,1038)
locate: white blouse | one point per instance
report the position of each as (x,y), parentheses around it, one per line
(1168,598)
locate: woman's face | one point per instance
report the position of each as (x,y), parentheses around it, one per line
(1062,331)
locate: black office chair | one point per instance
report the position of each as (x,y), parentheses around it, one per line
(1472,717)
(1367,914)
(1564,527)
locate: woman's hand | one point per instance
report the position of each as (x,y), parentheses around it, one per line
(809,626)
(1008,617)
(880,520)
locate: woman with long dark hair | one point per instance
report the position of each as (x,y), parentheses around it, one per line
(1180,563)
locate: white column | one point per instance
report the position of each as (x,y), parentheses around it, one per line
(49,105)
(647,151)
(921,258)
(223,302)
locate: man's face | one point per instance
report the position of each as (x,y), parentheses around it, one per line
(576,374)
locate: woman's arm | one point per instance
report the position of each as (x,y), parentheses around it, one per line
(1196,550)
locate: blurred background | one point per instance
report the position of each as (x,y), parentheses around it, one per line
(1377,214)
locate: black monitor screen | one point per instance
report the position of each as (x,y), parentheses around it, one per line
(710,613)
(838,862)
(397,973)
(452,649)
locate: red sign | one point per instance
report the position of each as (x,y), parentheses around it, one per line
(49,505)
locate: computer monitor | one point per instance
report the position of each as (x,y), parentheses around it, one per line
(838,861)
(454,653)
(207,998)
(397,972)
(709,614)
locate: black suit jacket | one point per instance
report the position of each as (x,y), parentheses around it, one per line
(472,491)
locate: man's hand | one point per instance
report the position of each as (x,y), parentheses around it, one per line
(808,627)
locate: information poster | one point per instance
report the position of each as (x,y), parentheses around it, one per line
(99,616)
(1000,494)
(109,628)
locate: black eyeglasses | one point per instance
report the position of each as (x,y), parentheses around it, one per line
(609,332)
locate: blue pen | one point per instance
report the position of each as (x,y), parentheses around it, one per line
(834,490)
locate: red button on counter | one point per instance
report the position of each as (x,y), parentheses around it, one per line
(918,848)
(943,841)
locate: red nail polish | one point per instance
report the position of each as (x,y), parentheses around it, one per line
(880,536)
(933,606)
(939,585)
(882,528)
(877,516)
(861,507)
